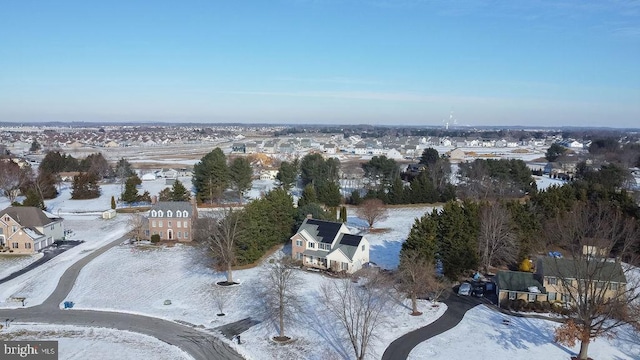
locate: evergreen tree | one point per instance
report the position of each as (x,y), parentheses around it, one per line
(429,157)
(130,194)
(165,195)
(329,194)
(343,214)
(308,196)
(179,192)
(211,176)
(355,198)
(240,175)
(458,227)
(397,192)
(33,199)
(554,152)
(423,237)
(123,169)
(287,174)
(35,146)
(85,186)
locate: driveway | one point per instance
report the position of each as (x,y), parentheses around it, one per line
(48,254)
(457,306)
(201,345)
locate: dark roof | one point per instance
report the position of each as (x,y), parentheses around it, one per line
(596,269)
(517,281)
(28,216)
(173,206)
(323,231)
(350,240)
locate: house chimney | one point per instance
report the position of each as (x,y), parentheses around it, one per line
(309,216)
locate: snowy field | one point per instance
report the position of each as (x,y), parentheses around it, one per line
(386,241)
(12,263)
(147,276)
(482,335)
(81,343)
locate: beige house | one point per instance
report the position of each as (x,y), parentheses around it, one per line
(564,278)
(325,245)
(172,220)
(26,230)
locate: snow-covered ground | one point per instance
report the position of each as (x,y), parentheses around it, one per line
(76,342)
(149,275)
(385,242)
(482,335)
(37,284)
(543,182)
(12,263)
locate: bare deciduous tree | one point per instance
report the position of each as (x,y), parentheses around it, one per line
(137,225)
(598,238)
(219,231)
(359,309)
(497,243)
(10,179)
(372,211)
(223,295)
(415,273)
(280,293)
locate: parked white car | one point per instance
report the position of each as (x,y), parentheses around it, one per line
(465,289)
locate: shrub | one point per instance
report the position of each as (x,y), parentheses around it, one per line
(520,305)
(155,238)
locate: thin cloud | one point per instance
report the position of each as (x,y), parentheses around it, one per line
(329,80)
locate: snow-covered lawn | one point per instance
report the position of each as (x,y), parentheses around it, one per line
(482,335)
(12,263)
(137,279)
(76,342)
(37,284)
(385,245)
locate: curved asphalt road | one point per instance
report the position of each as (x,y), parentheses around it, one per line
(456,308)
(199,344)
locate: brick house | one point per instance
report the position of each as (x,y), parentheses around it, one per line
(27,229)
(172,220)
(329,245)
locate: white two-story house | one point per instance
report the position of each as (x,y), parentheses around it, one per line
(329,245)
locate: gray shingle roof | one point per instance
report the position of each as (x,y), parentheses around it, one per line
(28,216)
(517,281)
(601,270)
(173,206)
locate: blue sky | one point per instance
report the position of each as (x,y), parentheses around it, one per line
(391,62)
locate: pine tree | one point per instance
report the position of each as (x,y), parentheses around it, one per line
(85,186)
(308,196)
(130,194)
(423,237)
(33,199)
(240,175)
(211,176)
(343,214)
(179,192)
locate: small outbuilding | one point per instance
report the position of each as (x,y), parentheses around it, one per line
(109,214)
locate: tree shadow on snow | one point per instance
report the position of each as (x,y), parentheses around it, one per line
(386,255)
(521,333)
(327,330)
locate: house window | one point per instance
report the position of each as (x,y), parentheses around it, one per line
(565,298)
(27,246)
(298,242)
(311,245)
(310,259)
(552,280)
(14,245)
(184,224)
(160,213)
(613,286)
(14,228)
(512,295)
(186,234)
(362,247)
(154,213)
(345,266)
(153,223)
(299,256)
(179,223)
(185,213)
(179,234)
(146,233)
(178,213)
(169,213)
(552,296)
(160,223)
(599,285)
(169,223)
(531,297)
